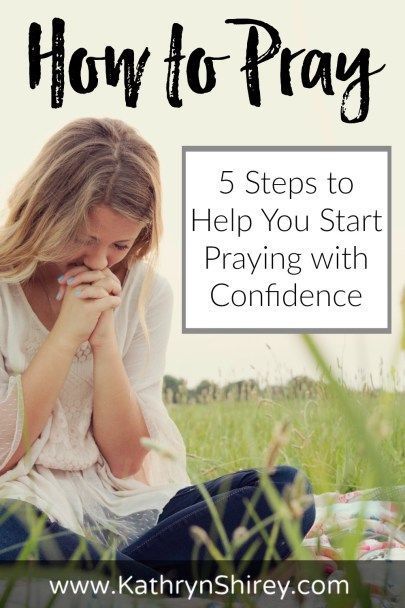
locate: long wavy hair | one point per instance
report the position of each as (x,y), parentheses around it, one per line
(88,161)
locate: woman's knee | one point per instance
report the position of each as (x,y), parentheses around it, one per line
(281,477)
(289,477)
(285,475)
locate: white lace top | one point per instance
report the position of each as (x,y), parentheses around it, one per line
(63,473)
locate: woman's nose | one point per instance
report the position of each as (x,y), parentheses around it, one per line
(96,261)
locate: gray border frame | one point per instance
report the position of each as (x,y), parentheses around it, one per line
(279,330)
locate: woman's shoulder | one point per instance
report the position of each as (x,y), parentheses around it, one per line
(159,284)
(156,304)
(156,299)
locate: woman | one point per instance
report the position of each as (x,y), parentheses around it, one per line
(84,324)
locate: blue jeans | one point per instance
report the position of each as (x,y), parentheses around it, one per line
(169,542)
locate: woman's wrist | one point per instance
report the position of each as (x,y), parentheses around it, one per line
(62,342)
(107,347)
(104,336)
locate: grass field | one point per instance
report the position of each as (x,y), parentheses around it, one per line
(322,440)
(340,438)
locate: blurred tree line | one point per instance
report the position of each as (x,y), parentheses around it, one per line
(175,390)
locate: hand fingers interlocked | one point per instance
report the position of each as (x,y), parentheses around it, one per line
(91,283)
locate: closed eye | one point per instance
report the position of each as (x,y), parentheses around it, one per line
(120,247)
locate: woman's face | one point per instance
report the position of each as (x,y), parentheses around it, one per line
(106,241)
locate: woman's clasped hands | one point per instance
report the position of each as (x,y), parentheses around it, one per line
(88,301)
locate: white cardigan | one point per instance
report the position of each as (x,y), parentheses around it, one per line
(63,473)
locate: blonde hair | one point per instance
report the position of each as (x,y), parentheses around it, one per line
(89,161)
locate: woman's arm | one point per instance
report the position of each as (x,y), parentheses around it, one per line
(41,383)
(43,379)
(118,423)
(128,393)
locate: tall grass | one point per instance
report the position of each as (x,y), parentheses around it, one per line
(223,437)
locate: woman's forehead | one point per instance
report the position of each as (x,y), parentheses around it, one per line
(103,221)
